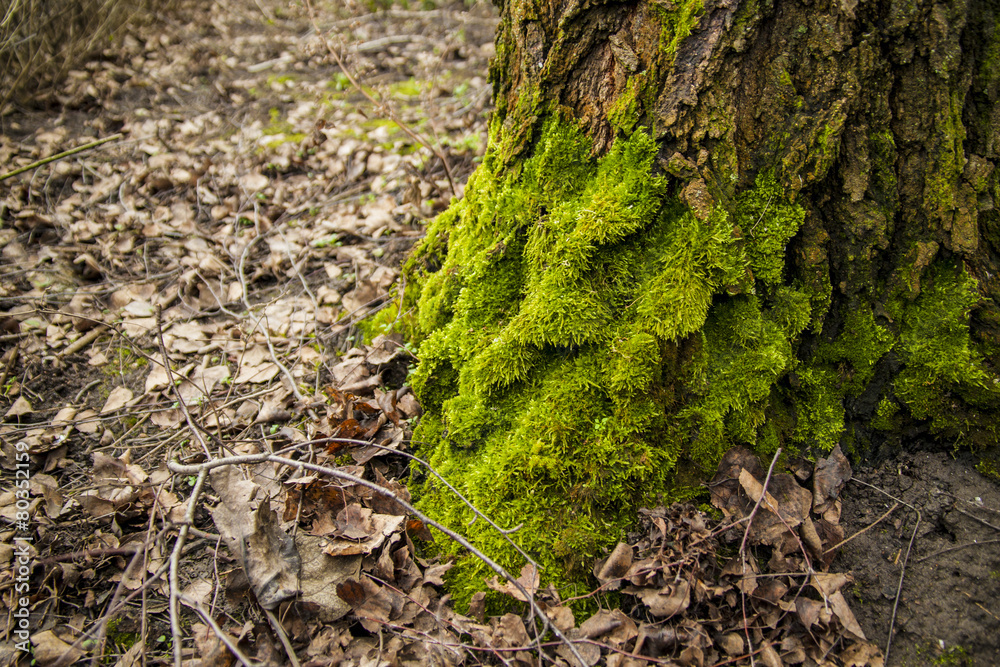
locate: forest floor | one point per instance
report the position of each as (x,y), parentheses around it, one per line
(202,287)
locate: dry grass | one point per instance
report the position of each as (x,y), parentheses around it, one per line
(42,40)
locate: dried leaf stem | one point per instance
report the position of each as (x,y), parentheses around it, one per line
(59,156)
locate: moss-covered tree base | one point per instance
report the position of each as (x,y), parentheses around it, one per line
(634,282)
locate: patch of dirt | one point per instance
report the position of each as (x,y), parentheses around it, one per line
(949,609)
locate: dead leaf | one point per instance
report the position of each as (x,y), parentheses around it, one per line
(831,474)
(510,632)
(477,606)
(117,399)
(245,519)
(375,529)
(668,601)
(862,654)
(87,422)
(20,408)
(599,624)
(131,657)
(198,592)
(529,580)
(561,617)
(211,650)
(270,559)
(47,648)
(352,592)
(843,611)
(591,654)
(731,643)
(321,575)
(611,571)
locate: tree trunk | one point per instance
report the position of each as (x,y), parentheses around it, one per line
(769,222)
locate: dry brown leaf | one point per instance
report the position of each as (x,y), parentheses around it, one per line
(117,399)
(610,572)
(600,624)
(591,654)
(198,592)
(86,422)
(843,611)
(270,559)
(20,408)
(529,580)
(862,654)
(211,650)
(320,576)
(561,617)
(131,657)
(731,643)
(47,647)
(831,474)
(669,601)
(510,632)
(433,574)
(380,527)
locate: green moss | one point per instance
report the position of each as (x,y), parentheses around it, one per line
(677,24)
(943,176)
(624,113)
(768,221)
(120,639)
(945,379)
(857,349)
(408,88)
(564,308)
(884,419)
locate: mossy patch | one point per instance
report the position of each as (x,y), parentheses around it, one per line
(579,329)
(677,23)
(945,379)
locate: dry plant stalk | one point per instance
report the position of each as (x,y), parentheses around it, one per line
(42,40)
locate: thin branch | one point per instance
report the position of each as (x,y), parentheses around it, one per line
(864,530)
(175,557)
(59,156)
(956,548)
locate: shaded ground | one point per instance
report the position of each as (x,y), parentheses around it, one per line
(252,215)
(948,612)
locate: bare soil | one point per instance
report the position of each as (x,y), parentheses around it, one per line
(948,610)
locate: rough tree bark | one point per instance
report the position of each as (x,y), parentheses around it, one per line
(702,223)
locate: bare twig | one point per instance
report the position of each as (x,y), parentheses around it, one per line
(219,632)
(960,511)
(59,156)
(743,545)
(195,430)
(865,529)
(175,557)
(283,636)
(82,341)
(956,548)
